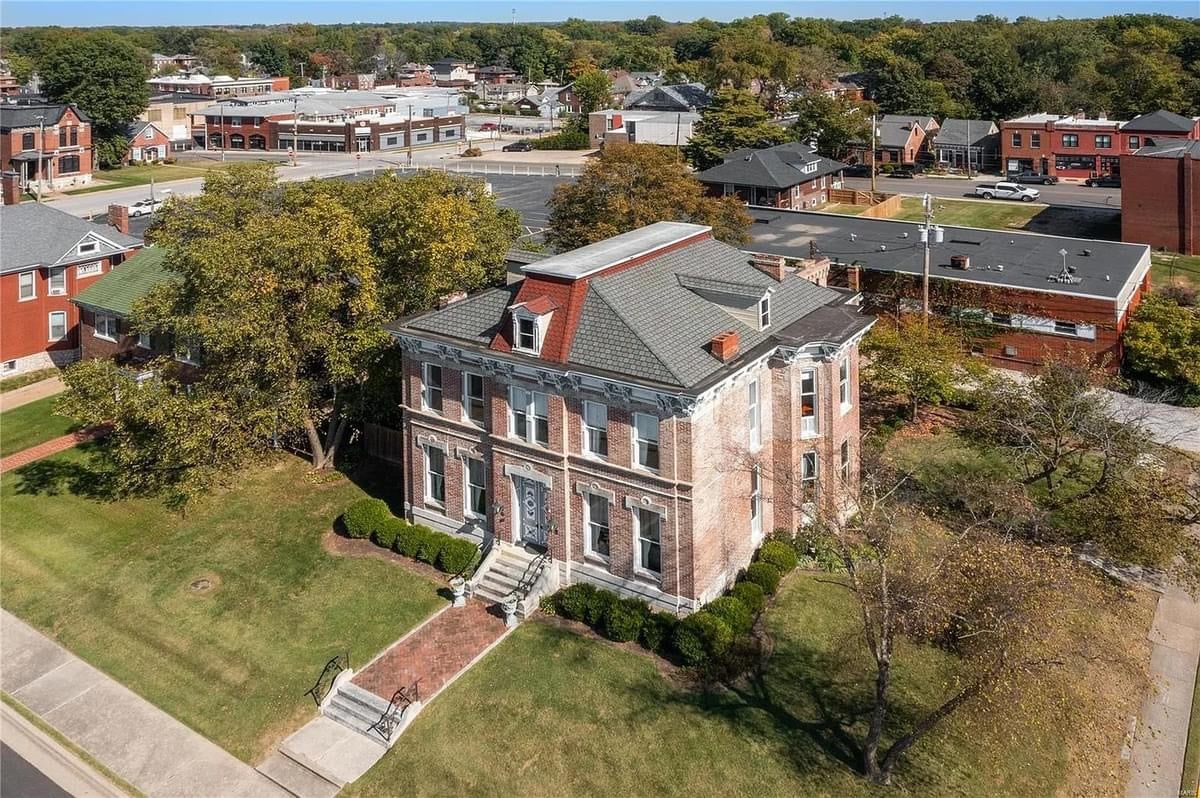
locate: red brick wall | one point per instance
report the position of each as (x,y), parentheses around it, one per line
(11,145)
(1160,202)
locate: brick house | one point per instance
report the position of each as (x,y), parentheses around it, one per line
(453,73)
(46,258)
(50,144)
(106,305)
(644,452)
(789,175)
(147,143)
(1160,197)
(1035,300)
(898,139)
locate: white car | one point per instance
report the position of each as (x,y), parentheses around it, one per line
(1009,191)
(148,206)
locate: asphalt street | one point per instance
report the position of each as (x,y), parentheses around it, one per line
(1073,194)
(19,779)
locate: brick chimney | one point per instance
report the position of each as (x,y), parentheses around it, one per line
(118,217)
(724,346)
(770,265)
(854,278)
(11,187)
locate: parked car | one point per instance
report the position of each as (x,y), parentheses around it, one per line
(1033,177)
(1104,181)
(489,126)
(858,170)
(1010,191)
(146,207)
(518,146)
(903,174)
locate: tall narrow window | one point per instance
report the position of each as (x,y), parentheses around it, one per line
(26,286)
(530,418)
(526,334)
(472,398)
(808,402)
(431,387)
(844,465)
(596,507)
(58,325)
(754,415)
(756,503)
(435,475)
(475,496)
(649,540)
(595,429)
(808,475)
(844,382)
(645,441)
(62,137)
(57,284)
(764,312)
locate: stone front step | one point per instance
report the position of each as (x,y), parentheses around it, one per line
(296,778)
(504,574)
(357,709)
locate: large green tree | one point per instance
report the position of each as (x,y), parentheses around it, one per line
(734,119)
(593,87)
(1163,343)
(105,75)
(831,123)
(922,360)
(632,185)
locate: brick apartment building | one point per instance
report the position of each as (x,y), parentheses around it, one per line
(788,175)
(1160,197)
(48,144)
(1036,300)
(647,453)
(1076,146)
(46,258)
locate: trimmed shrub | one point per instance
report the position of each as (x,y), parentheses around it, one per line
(732,612)
(598,608)
(751,594)
(432,546)
(413,539)
(702,637)
(572,602)
(563,140)
(657,630)
(457,555)
(388,532)
(764,575)
(779,554)
(365,516)
(625,619)
(472,152)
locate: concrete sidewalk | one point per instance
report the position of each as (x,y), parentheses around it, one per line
(1156,760)
(143,745)
(30,393)
(52,760)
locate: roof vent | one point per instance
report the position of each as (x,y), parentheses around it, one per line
(883,247)
(853,236)
(999,267)
(1087,253)
(960,262)
(724,346)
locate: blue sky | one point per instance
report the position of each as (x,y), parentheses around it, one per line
(14,13)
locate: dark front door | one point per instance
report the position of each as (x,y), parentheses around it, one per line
(532,497)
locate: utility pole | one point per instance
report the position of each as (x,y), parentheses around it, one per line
(874,132)
(968,149)
(41,154)
(408,133)
(930,235)
(295,124)
(678,119)
(222,107)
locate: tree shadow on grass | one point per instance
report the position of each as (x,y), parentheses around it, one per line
(55,476)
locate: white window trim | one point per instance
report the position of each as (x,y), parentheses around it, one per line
(51,272)
(588,552)
(428,477)
(87,247)
(96,327)
(427,387)
(32,286)
(84,270)
(816,394)
(530,412)
(756,500)
(466,400)
(846,401)
(467,511)
(764,312)
(584,446)
(754,413)
(638,570)
(635,438)
(144,342)
(50,325)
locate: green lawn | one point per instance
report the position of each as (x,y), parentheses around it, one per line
(112,581)
(1168,267)
(105,179)
(1002,215)
(31,424)
(551,713)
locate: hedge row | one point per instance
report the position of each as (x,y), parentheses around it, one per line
(563,140)
(701,639)
(371,518)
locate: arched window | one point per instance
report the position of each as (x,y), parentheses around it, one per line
(237,141)
(258,142)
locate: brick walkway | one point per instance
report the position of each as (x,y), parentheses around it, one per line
(53,446)
(435,653)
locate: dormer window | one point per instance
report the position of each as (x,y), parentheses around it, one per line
(530,321)
(764,312)
(527,334)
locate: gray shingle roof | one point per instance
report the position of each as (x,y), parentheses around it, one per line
(1160,121)
(476,318)
(36,234)
(682,97)
(13,117)
(1174,149)
(954,132)
(781,166)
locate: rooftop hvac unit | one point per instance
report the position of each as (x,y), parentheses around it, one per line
(960,262)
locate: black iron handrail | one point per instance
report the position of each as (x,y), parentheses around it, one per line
(401,699)
(530,575)
(336,665)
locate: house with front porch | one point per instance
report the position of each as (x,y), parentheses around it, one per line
(642,410)
(790,175)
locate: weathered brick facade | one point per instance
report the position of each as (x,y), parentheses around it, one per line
(1160,198)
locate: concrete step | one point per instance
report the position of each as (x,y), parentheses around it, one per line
(348,713)
(297,779)
(349,691)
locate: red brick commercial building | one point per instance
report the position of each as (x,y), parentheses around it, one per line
(219,85)
(1160,197)
(1078,147)
(46,258)
(1036,300)
(646,453)
(48,145)
(788,175)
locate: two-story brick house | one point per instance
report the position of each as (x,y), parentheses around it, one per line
(645,409)
(46,258)
(48,145)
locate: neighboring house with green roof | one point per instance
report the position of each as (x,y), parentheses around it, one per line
(107,305)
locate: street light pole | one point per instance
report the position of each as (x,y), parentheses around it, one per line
(930,234)
(295,124)
(40,151)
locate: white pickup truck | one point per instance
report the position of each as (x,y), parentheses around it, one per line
(1010,191)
